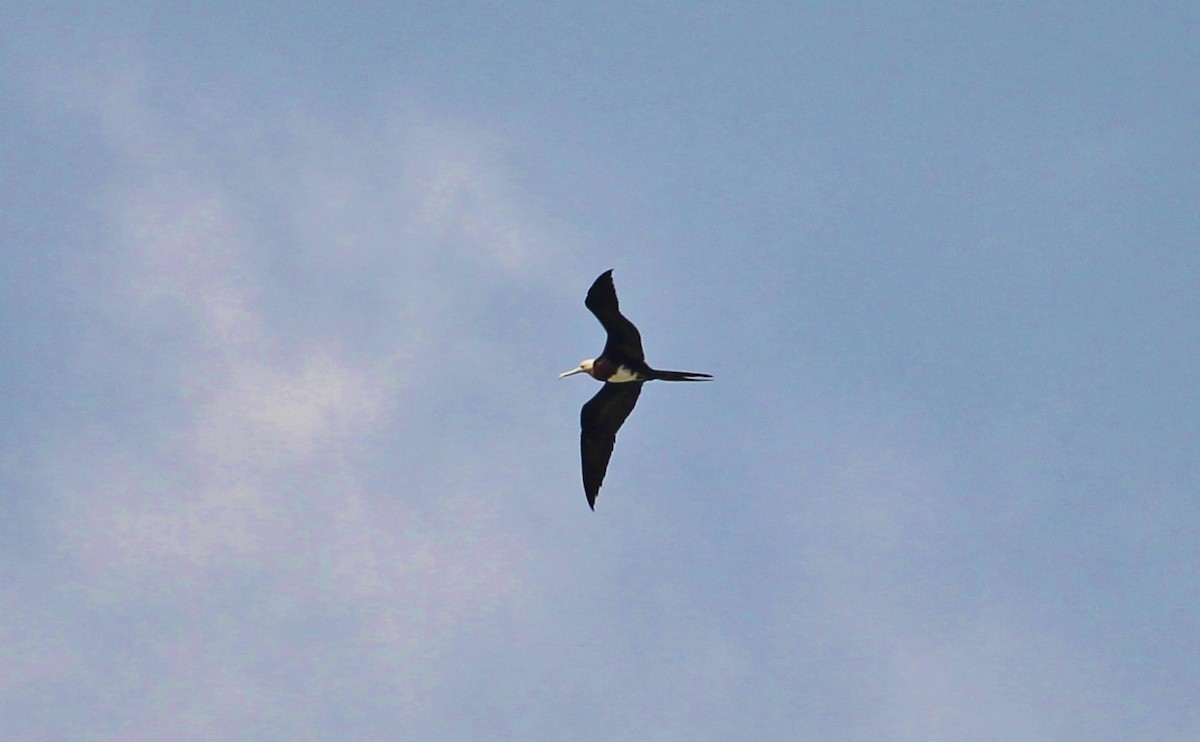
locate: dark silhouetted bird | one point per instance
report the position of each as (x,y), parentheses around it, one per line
(622,367)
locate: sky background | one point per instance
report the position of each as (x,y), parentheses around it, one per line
(285,290)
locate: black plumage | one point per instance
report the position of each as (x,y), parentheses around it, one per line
(623,369)
(601,418)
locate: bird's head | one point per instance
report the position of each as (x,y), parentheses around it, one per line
(585,367)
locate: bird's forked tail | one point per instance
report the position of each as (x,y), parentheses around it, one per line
(680,376)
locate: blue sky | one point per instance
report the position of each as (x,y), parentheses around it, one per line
(285,294)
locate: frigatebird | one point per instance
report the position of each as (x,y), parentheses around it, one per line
(622,367)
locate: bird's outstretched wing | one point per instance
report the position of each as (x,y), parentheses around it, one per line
(599,422)
(623,338)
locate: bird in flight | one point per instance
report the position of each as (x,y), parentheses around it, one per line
(622,367)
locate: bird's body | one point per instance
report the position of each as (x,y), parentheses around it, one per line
(623,369)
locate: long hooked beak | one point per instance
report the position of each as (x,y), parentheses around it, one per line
(572,372)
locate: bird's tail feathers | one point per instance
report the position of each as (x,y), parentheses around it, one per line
(680,376)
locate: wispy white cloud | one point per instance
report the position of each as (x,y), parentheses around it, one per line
(248,514)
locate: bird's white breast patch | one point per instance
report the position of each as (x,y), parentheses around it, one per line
(623,374)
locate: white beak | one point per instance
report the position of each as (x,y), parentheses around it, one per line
(572,372)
